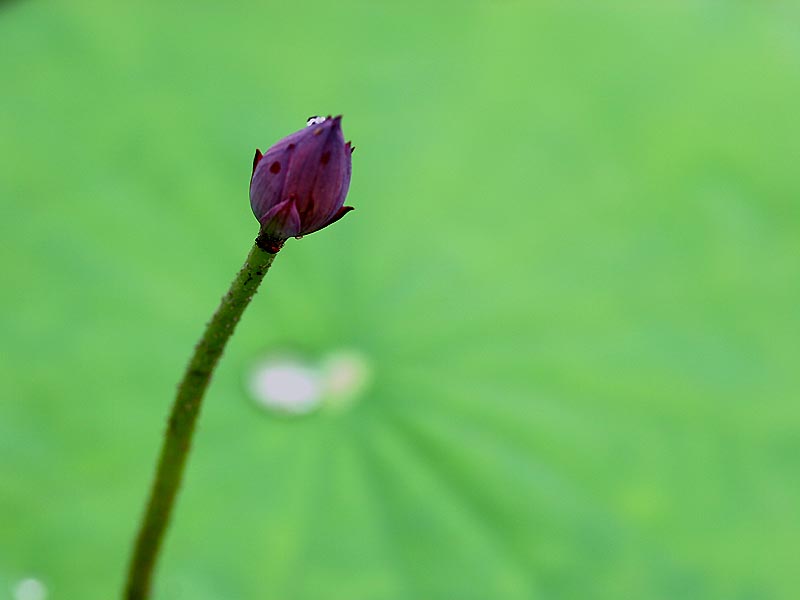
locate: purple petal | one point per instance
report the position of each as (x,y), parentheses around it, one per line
(315,172)
(266,186)
(282,221)
(339,214)
(332,182)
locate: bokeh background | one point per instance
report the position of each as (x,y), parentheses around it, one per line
(573,277)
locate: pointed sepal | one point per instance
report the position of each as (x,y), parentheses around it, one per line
(256,159)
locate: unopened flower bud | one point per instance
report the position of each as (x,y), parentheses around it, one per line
(299,184)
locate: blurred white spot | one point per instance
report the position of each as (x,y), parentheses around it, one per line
(290,385)
(286,384)
(315,121)
(347,375)
(30,589)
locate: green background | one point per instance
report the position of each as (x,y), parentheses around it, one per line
(574,271)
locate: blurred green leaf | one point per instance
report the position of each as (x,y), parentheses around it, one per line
(572,268)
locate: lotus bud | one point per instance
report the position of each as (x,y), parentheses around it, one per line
(299,185)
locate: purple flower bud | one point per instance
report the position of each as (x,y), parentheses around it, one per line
(299,184)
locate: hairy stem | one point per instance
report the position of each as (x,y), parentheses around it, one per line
(178,437)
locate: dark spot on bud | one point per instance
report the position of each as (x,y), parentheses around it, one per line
(290,147)
(326,156)
(275,167)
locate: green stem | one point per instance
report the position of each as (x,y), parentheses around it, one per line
(182,420)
